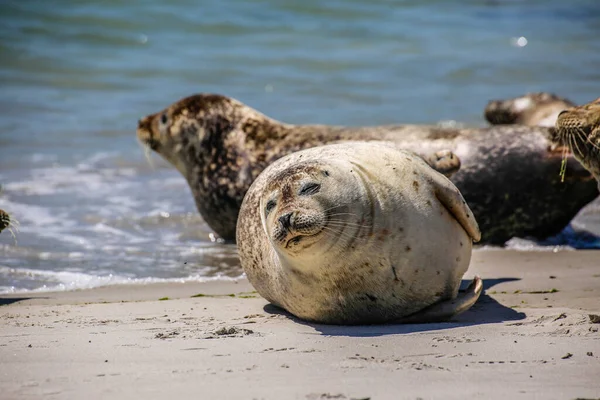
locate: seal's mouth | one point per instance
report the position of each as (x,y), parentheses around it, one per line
(151,143)
(301,239)
(293,241)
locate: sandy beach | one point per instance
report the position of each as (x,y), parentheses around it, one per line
(533,334)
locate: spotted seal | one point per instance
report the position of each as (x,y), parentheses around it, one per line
(531,109)
(357,233)
(509,174)
(579,128)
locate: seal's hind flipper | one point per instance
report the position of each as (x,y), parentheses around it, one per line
(446,309)
(452,199)
(444,161)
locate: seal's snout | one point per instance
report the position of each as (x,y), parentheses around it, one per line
(144,124)
(144,132)
(286,221)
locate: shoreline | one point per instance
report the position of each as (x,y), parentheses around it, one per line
(529,335)
(111,281)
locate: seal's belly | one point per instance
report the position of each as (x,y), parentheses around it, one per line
(409,262)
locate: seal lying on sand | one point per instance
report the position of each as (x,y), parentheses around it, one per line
(509,174)
(357,233)
(531,109)
(579,128)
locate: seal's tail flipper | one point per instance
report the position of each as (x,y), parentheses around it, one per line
(447,309)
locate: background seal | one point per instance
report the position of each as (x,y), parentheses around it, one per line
(509,174)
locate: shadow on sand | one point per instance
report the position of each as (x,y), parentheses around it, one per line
(9,300)
(485,311)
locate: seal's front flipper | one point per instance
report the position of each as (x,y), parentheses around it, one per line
(447,309)
(444,161)
(453,201)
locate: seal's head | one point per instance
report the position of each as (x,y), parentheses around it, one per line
(4,220)
(579,128)
(182,130)
(303,206)
(532,109)
(219,145)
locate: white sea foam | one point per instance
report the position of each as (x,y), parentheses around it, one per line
(65,280)
(528,245)
(83,179)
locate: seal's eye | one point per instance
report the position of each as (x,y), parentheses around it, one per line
(164,119)
(325,172)
(309,188)
(270,206)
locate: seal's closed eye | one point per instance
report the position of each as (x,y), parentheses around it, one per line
(309,188)
(270,206)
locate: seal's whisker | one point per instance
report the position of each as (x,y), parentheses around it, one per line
(342,206)
(563,163)
(589,139)
(340,234)
(360,240)
(354,234)
(335,217)
(574,145)
(570,148)
(348,224)
(340,222)
(13,223)
(147,154)
(578,134)
(12,229)
(344,235)
(339,229)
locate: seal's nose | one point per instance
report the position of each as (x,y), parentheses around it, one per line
(286,220)
(144,123)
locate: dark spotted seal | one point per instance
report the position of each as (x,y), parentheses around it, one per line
(358,233)
(509,174)
(531,109)
(579,128)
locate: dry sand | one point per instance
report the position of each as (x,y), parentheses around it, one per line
(530,336)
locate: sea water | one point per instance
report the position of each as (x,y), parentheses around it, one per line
(76,76)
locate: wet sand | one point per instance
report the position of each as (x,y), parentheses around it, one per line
(533,334)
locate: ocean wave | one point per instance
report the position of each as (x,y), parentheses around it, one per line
(65,281)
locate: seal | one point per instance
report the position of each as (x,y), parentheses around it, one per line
(220,145)
(358,233)
(531,109)
(579,128)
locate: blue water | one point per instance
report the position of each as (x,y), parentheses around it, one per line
(76,76)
